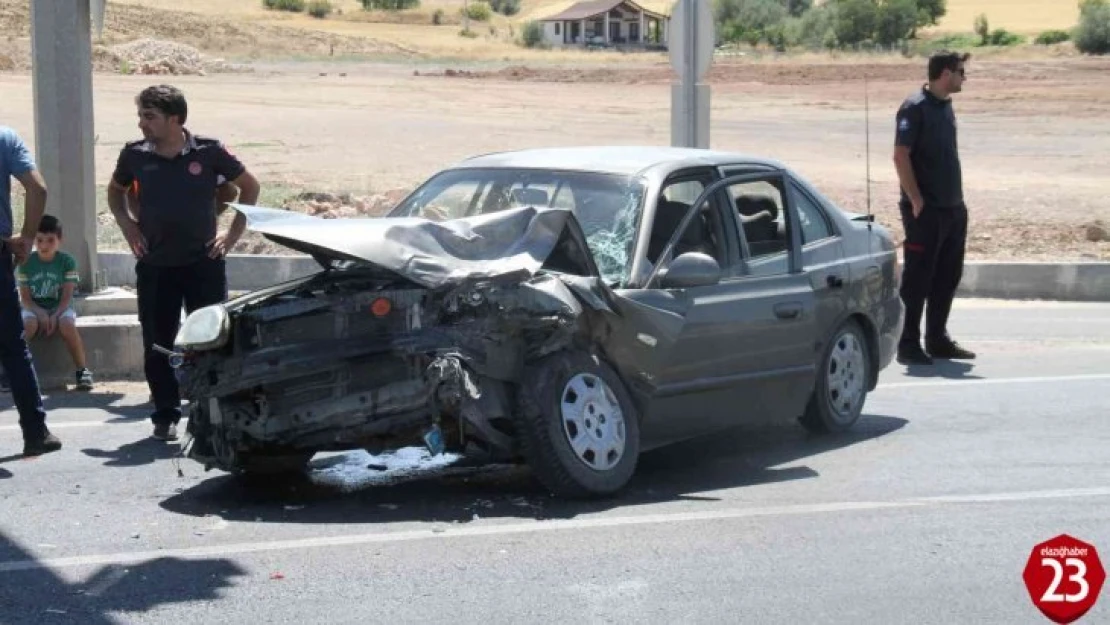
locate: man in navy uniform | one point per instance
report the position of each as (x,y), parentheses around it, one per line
(934,215)
(180,254)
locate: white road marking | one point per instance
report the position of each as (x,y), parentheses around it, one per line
(980,381)
(496,529)
(60,425)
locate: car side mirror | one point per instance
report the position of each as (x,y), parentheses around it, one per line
(689,270)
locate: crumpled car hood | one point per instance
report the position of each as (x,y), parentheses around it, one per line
(427,252)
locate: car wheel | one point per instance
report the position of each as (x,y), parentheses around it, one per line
(579,430)
(842,380)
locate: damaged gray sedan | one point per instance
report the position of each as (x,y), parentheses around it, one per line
(568,308)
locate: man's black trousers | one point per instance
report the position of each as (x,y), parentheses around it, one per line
(15,355)
(933,266)
(162,293)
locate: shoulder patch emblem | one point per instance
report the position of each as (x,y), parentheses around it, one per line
(194,168)
(904,124)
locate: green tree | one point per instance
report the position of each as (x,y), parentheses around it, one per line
(895,21)
(855,21)
(748,20)
(929,12)
(1092,35)
(796,8)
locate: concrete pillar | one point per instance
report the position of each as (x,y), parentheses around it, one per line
(61,52)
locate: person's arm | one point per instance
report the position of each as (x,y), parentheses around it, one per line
(909,124)
(23,168)
(236,174)
(34,206)
(118,186)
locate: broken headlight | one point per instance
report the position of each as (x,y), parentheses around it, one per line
(205,328)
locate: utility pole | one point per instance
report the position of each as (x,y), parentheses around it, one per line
(61,50)
(690,43)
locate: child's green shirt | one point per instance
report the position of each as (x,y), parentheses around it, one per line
(45,279)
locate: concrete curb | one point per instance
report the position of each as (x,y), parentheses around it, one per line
(1082,282)
(113,337)
(1070,281)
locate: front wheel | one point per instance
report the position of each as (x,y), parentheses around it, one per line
(842,380)
(579,429)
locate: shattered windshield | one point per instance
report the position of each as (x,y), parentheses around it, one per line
(607,206)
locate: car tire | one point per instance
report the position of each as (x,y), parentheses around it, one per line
(840,390)
(579,430)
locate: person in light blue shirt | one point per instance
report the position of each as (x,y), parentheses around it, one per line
(19,369)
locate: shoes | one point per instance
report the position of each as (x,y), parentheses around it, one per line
(948,349)
(45,445)
(165,432)
(84,380)
(912,354)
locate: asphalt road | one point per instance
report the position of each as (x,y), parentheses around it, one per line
(926,514)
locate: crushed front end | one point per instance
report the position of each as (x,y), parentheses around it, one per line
(362,358)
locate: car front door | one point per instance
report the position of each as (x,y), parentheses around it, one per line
(697,353)
(775,320)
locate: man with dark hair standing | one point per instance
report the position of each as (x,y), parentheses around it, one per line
(934,215)
(16,162)
(180,254)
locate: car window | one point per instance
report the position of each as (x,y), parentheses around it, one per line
(760,212)
(702,234)
(608,207)
(814,222)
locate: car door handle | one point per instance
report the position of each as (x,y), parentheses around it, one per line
(834,281)
(788,310)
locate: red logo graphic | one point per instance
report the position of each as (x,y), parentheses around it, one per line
(194,168)
(1064,577)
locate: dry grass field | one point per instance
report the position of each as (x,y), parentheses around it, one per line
(343,105)
(1028,17)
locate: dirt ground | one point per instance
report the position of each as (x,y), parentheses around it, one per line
(1034,134)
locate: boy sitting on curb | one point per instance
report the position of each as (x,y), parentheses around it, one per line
(47,281)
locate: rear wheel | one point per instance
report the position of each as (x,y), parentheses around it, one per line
(579,430)
(842,381)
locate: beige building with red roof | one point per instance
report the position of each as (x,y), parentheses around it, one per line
(606,23)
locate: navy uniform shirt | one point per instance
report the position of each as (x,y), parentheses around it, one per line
(927,125)
(177,196)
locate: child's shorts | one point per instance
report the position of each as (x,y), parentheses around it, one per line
(68,314)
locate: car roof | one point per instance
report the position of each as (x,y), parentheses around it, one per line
(614,159)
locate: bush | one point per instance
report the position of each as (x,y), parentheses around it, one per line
(319,8)
(296,6)
(983,29)
(1003,37)
(1092,35)
(505,7)
(1050,37)
(532,35)
(437,17)
(478,11)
